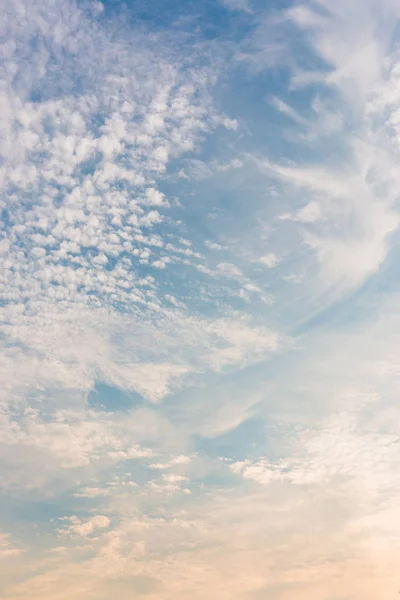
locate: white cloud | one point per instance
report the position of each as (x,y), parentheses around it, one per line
(269,260)
(309,213)
(7,548)
(339,454)
(90,492)
(213,245)
(235,163)
(177,460)
(288,111)
(85,528)
(155,198)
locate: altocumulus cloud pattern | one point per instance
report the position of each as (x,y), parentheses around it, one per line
(199,315)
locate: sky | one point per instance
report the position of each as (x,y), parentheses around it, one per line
(199,299)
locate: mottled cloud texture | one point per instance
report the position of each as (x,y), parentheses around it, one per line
(199,324)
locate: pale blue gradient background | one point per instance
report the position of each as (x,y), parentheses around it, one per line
(199,319)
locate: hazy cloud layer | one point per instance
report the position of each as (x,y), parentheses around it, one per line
(198,316)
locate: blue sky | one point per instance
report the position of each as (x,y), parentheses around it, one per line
(199,319)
